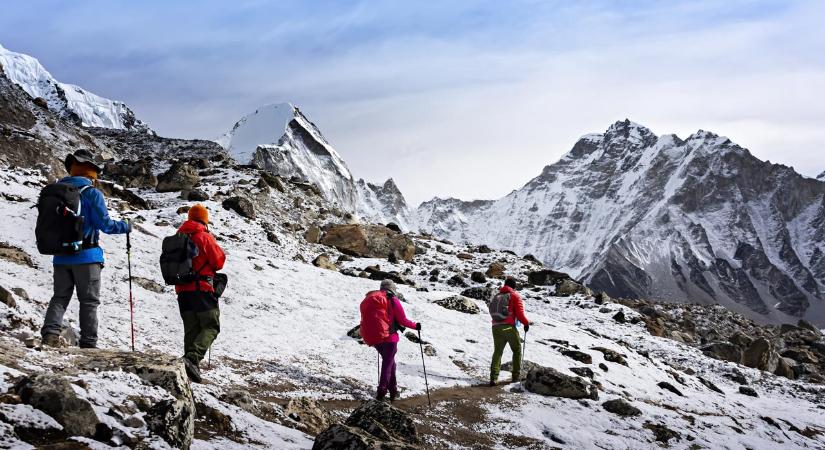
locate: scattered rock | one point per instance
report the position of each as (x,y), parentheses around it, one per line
(531,258)
(747,390)
(240,205)
(546,277)
(369,241)
(148,284)
(669,387)
(619,317)
(761,355)
(7,298)
(621,407)
(180,177)
(581,357)
(324,262)
(464,256)
(550,382)
(459,303)
(313,234)
(197,195)
(724,351)
(16,255)
(710,385)
(273,181)
(457,280)
(611,355)
(569,287)
(311,416)
(496,270)
(394,227)
(55,396)
(584,372)
(526,367)
(374,425)
(479,293)
(478,277)
(662,432)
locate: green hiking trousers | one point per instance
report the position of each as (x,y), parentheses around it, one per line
(504,335)
(201,323)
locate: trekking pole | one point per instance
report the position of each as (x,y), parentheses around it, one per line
(424,365)
(131,302)
(378,364)
(524,349)
(209,361)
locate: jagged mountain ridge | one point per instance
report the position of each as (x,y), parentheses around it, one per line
(821,176)
(383,204)
(280,139)
(68,101)
(640,215)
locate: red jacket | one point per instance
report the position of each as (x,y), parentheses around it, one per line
(210,257)
(516,308)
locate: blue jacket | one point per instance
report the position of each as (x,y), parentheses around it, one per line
(95,219)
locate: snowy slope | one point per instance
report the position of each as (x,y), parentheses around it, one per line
(280,139)
(640,215)
(383,204)
(67,100)
(284,326)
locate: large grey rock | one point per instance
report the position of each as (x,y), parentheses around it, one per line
(459,303)
(546,277)
(241,205)
(374,425)
(550,382)
(569,287)
(179,177)
(369,241)
(310,416)
(724,351)
(761,355)
(621,407)
(54,395)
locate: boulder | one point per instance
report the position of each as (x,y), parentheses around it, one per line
(621,407)
(662,433)
(550,382)
(620,317)
(747,390)
(394,227)
(761,355)
(311,417)
(480,293)
(196,195)
(457,281)
(724,351)
(7,298)
(611,355)
(581,357)
(459,303)
(55,396)
(669,387)
(484,249)
(369,241)
(374,425)
(273,181)
(569,287)
(16,255)
(324,262)
(785,368)
(546,277)
(805,325)
(531,258)
(131,174)
(313,234)
(585,372)
(496,270)
(242,206)
(464,256)
(478,277)
(526,367)
(179,177)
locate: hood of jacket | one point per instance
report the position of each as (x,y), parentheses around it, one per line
(192,227)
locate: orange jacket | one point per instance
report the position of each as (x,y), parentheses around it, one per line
(516,308)
(210,257)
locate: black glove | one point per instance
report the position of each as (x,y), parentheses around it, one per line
(526,327)
(418,326)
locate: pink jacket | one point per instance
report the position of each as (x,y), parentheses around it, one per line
(397,313)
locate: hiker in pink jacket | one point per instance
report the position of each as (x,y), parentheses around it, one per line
(379,326)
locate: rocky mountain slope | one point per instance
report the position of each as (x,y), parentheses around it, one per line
(639,215)
(821,176)
(289,370)
(383,204)
(278,138)
(68,101)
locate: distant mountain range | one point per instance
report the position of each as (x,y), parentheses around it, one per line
(628,212)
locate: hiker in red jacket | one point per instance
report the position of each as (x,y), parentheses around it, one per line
(507,309)
(381,316)
(196,300)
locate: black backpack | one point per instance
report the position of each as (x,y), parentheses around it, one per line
(176,259)
(59,229)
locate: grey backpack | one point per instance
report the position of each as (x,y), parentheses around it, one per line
(500,307)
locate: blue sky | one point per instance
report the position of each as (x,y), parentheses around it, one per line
(445,96)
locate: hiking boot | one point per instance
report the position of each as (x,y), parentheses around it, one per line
(52,340)
(393,396)
(381,396)
(192,370)
(492,383)
(82,345)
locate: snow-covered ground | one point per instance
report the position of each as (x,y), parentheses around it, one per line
(284,334)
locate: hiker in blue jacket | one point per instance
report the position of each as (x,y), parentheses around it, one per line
(81,271)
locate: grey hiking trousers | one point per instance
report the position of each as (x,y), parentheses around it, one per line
(86,279)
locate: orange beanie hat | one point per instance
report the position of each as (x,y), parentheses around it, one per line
(199,213)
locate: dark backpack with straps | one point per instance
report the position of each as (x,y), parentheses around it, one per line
(176,259)
(59,229)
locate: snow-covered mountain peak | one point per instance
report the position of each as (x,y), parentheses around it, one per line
(821,176)
(630,131)
(67,100)
(279,138)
